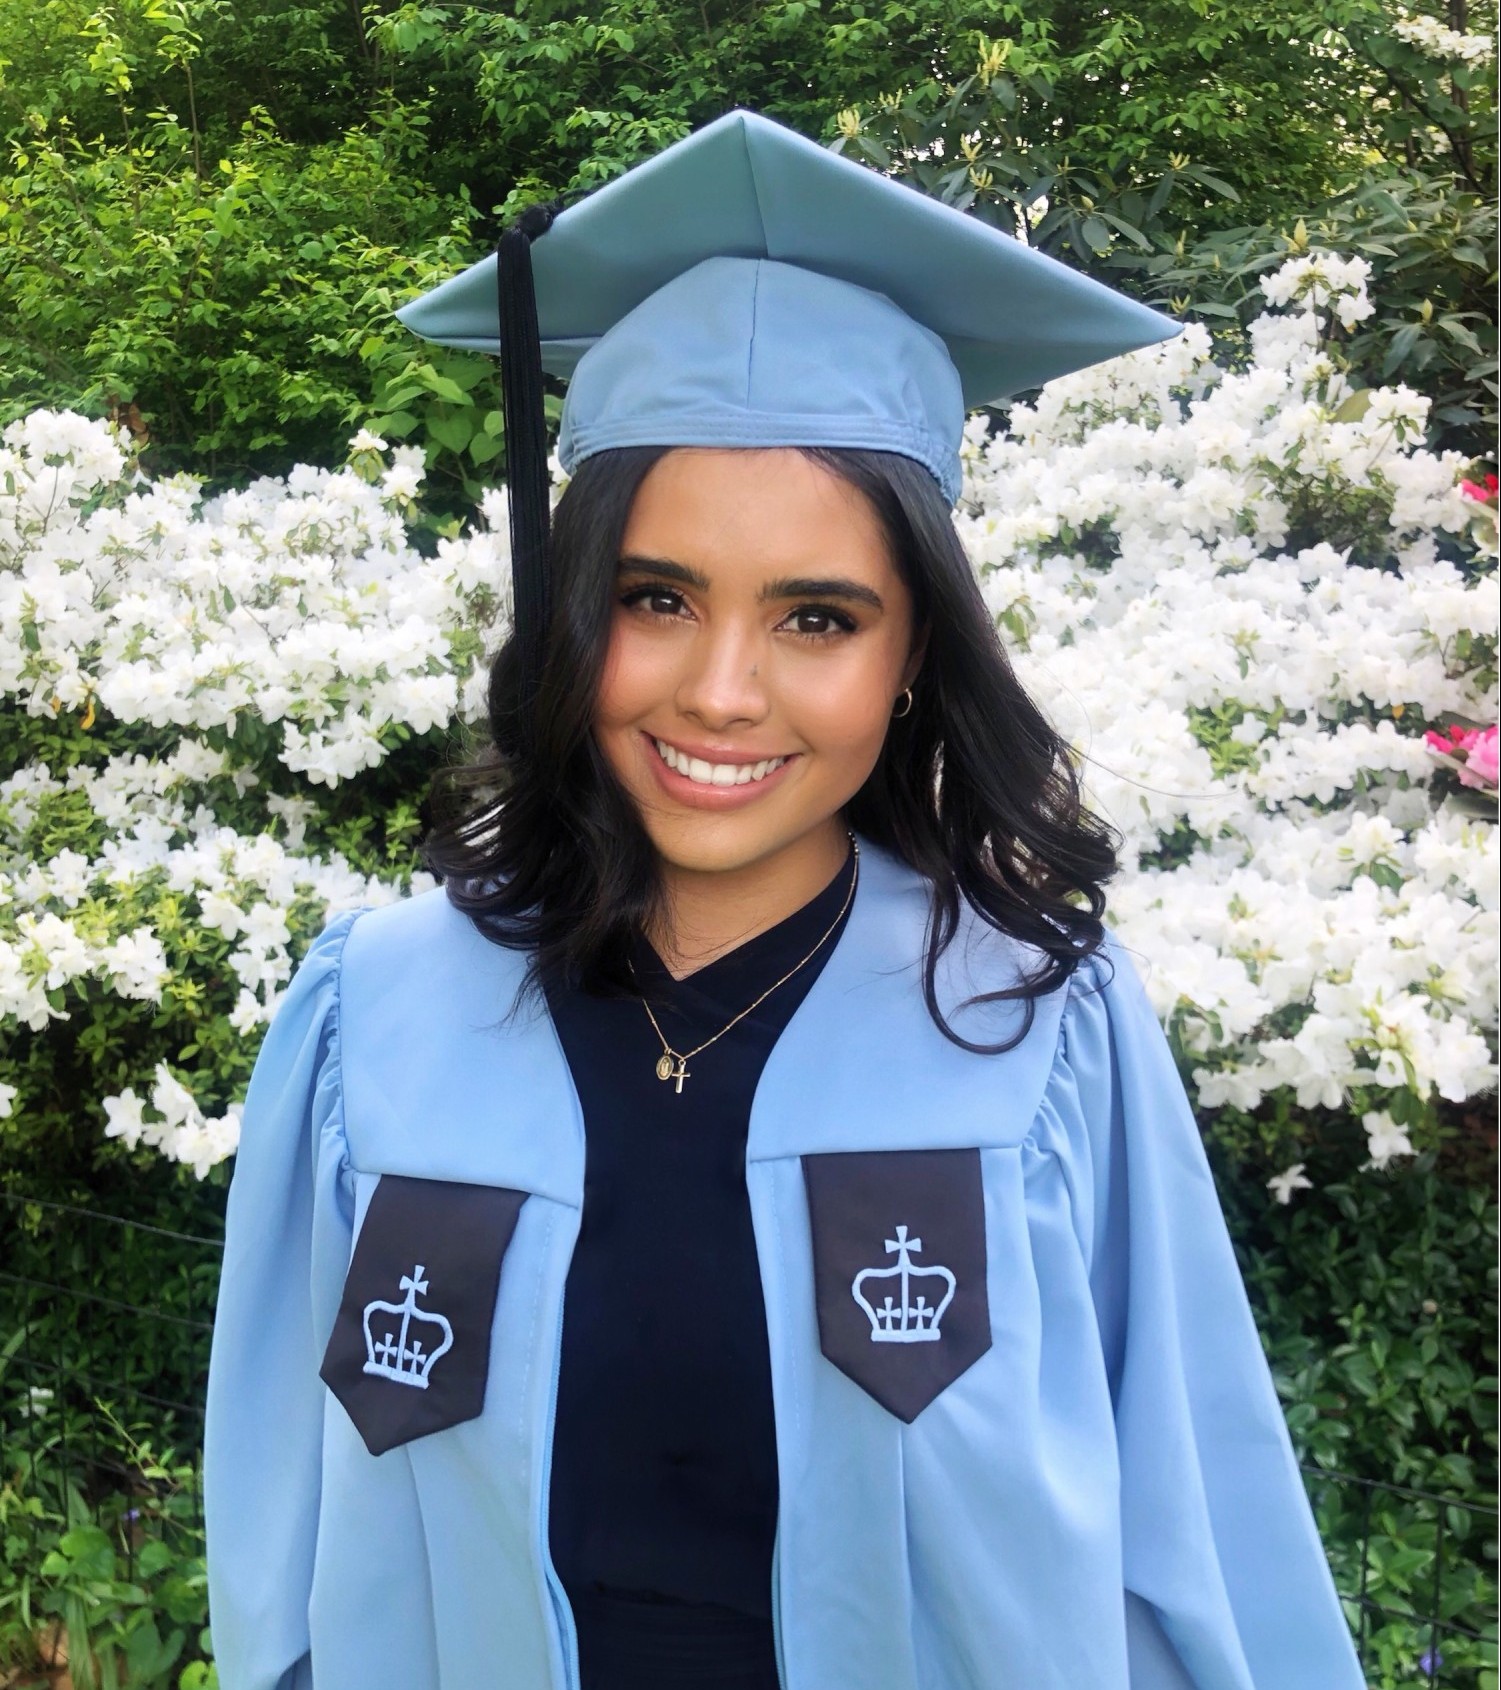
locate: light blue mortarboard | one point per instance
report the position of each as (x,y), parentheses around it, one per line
(747,287)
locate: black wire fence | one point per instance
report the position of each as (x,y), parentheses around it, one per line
(104,1332)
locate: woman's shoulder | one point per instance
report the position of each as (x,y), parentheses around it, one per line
(424,930)
(980,958)
(416,960)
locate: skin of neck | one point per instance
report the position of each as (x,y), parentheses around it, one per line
(707,914)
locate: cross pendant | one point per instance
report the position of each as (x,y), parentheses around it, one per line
(679,1074)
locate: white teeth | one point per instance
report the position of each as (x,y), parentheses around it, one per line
(715,774)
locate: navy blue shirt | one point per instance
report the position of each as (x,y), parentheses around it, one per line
(664,1478)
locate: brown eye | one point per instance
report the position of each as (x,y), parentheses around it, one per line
(657,601)
(819,621)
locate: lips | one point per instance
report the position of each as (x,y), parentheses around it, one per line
(701,783)
(704,773)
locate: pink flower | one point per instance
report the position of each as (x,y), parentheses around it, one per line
(1470,752)
(1457,739)
(1480,767)
(1484,491)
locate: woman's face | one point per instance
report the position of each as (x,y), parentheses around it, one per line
(760,637)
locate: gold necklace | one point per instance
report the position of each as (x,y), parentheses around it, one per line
(673,1064)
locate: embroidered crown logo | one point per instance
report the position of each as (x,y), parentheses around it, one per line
(912,1319)
(395,1334)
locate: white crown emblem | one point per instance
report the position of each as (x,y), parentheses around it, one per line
(393,1351)
(912,1320)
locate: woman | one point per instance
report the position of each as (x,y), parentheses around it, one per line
(746,1227)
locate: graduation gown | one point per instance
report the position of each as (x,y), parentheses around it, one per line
(1026,1433)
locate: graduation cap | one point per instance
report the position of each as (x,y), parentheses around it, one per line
(748,287)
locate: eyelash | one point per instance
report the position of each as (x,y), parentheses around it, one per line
(843,624)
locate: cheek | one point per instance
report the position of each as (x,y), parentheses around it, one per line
(843,710)
(631,678)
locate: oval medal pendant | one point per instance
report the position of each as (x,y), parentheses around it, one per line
(664,1066)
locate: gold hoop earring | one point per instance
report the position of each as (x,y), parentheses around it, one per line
(906,693)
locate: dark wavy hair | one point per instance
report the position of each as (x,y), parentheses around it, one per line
(544,851)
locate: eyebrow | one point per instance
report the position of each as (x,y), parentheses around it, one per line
(784,587)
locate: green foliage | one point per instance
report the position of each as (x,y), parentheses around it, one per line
(1375,1296)
(100,1499)
(1431,245)
(131,1606)
(1191,197)
(240,319)
(210,211)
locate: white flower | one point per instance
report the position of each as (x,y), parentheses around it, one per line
(137,965)
(172,1098)
(265,927)
(221,913)
(366,441)
(1385,1137)
(1290,1180)
(125,1117)
(68,877)
(401,481)
(247,1013)
(66,954)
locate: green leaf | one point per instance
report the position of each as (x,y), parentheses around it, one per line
(1129,230)
(444,387)
(451,432)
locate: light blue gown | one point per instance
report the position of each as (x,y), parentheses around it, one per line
(1105,1500)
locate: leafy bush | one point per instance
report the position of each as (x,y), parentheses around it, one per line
(241,318)
(104,1331)
(1306,900)
(211,210)
(338,661)
(1188,224)
(1376,1301)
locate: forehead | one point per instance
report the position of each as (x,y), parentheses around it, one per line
(744,508)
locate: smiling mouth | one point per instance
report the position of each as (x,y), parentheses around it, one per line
(715,774)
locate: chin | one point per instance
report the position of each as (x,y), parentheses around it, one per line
(734,843)
(722,844)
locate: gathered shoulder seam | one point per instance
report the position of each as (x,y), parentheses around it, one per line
(336,1018)
(1077,988)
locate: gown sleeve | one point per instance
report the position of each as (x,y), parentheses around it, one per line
(288,1234)
(1226,1582)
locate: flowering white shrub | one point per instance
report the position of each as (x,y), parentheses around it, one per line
(1250,700)
(1437,41)
(290,630)
(1239,592)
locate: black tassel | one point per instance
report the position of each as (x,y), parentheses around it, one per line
(526,450)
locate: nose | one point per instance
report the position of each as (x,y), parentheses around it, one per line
(721,685)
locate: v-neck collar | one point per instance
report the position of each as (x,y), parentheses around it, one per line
(734,979)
